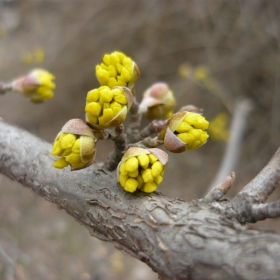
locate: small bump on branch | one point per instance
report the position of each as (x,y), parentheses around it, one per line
(268,210)
(220,190)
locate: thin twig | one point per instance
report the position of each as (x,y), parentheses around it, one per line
(119,138)
(153,127)
(5,87)
(135,122)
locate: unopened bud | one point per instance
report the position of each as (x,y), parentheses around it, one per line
(38,85)
(75,145)
(158,102)
(142,169)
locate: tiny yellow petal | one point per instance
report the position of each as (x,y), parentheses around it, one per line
(123,170)
(116,110)
(144,161)
(119,68)
(106,95)
(106,105)
(149,187)
(92,119)
(60,163)
(157,168)
(57,150)
(158,179)
(76,146)
(103,76)
(112,71)
(152,158)
(140,181)
(106,59)
(121,98)
(147,175)
(133,174)
(183,127)
(114,59)
(131,185)
(93,108)
(112,82)
(74,159)
(131,164)
(107,116)
(93,95)
(125,75)
(186,137)
(66,152)
(123,179)
(61,135)
(68,141)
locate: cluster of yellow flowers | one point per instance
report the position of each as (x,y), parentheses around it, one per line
(184,131)
(76,149)
(38,85)
(192,130)
(117,69)
(108,105)
(142,169)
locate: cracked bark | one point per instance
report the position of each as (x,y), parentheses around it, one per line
(200,239)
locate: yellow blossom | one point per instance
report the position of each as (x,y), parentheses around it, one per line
(38,85)
(74,145)
(117,69)
(142,169)
(107,107)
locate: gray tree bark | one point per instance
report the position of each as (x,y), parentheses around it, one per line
(200,239)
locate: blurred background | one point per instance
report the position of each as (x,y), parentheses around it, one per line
(212,54)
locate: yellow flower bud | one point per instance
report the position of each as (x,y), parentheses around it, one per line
(184,130)
(107,107)
(38,85)
(158,102)
(142,169)
(74,145)
(117,69)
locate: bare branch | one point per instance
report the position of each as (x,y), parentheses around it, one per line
(135,122)
(120,147)
(4,88)
(177,239)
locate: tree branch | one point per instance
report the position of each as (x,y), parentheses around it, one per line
(177,239)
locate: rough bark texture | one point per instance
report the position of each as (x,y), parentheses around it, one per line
(177,239)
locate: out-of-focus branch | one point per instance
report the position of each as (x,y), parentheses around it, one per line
(238,125)
(5,87)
